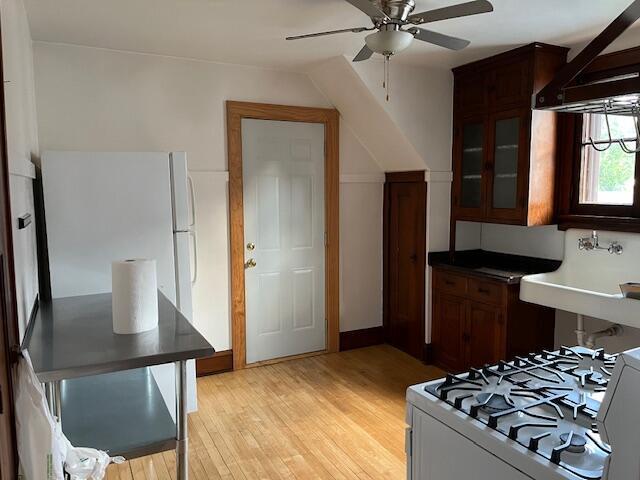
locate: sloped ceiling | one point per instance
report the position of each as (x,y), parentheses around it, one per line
(252,31)
(371,124)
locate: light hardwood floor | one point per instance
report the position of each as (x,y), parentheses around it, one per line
(334,416)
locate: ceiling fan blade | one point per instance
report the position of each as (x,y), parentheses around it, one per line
(331,32)
(369,8)
(455,11)
(446,41)
(364,54)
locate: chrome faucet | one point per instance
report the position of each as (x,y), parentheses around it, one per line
(589,243)
(593,243)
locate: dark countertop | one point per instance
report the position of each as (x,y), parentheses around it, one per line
(73,337)
(501,267)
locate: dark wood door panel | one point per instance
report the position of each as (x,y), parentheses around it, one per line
(471,92)
(405,265)
(511,84)
(484,334)
(449,318)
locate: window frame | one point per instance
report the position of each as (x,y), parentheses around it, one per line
(569,212)
(598,210)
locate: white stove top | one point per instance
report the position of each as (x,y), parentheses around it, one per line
(546,404)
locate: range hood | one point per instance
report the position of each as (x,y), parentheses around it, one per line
(619,95)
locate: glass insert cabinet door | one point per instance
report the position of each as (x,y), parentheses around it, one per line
(506,157)
(473,136)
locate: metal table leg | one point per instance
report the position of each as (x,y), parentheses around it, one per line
(182,452)
(54,399)
(57,395)
(49,392)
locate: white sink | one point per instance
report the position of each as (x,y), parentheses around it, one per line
(588,282)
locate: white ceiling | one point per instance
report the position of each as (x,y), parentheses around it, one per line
(252,31)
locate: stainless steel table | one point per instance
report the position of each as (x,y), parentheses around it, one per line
(85,366)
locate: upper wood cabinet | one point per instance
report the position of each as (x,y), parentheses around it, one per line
(504,154)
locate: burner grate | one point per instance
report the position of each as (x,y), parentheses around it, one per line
(546,402)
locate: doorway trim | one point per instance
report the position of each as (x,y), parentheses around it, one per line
(236,111)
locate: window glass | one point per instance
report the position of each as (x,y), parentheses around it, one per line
(607,177)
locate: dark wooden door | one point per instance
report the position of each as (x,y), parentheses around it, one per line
(8,318)
(405,243)
(448,325)
(484,334)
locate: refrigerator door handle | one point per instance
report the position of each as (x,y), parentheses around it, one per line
(194,239)
(192,196)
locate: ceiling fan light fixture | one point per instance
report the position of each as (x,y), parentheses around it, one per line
(388,42)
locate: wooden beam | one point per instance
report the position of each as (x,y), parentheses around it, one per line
(552,94)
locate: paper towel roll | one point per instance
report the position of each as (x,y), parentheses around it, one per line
(134,296)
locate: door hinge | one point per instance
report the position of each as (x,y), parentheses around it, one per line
(326,239)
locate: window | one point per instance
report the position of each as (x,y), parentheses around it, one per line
(607,171)
(599,187)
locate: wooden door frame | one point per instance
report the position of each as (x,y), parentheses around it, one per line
(236,111)
(9,332)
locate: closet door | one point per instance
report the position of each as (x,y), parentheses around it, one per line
(405,226)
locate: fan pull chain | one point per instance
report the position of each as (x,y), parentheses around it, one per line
(386,84)
(384,79)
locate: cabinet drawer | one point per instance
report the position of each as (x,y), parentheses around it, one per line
(485,291)
(451,283)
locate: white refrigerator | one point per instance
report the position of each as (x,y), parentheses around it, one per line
(105,206)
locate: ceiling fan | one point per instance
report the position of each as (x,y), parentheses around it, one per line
(390,17)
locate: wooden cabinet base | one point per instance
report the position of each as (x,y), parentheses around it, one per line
(218,363)
(484,321)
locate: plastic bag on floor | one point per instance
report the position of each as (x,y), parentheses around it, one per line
(44,451)
(88,463)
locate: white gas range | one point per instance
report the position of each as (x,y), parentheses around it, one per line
(552,416)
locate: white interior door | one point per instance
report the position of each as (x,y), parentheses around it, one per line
(284,230)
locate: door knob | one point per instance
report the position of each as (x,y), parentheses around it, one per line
(251,246)
(250,263)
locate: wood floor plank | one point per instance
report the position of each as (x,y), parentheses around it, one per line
(329,417)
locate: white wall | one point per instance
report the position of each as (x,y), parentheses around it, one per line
(415,126)
(421,105)
(97,99)
(360,251)
(377,130)
(565,333)
(22,145)
(542,242)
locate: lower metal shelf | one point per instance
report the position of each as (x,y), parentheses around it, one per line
(122,413)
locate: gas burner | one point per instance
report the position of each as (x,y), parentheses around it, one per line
(546,402)
(576,445)
(494,402)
